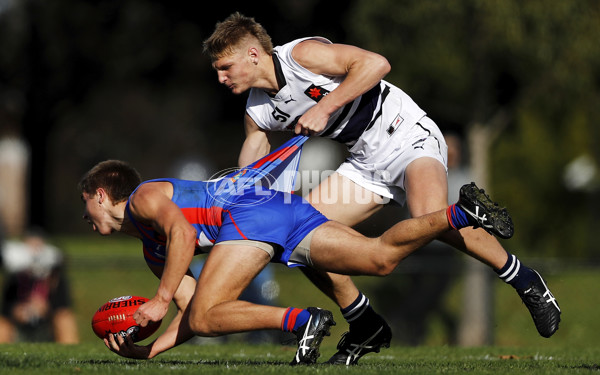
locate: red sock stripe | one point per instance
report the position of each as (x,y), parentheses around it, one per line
(292,319)
(291,314)
(449,212)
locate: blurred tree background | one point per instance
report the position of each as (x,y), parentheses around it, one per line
(84,81)
(528,74)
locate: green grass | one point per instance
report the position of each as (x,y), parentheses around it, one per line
(103,268)
(270,359)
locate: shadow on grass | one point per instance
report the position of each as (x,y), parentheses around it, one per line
(592,367)
(182,362)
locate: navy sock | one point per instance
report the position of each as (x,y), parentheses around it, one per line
(516,274)
(293,319)
(358,311)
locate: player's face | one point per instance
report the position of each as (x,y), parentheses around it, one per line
(235,71)
(95,214)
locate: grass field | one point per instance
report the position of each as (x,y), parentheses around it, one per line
(103,268)
(270,359)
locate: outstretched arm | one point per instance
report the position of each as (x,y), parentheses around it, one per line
(361,70)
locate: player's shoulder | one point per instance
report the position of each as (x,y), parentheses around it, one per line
(313,41)
(149,193)
(286,49)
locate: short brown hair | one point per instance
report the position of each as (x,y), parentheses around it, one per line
(117,177)
(229,33)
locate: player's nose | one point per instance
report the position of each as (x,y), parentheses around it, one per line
(222,77)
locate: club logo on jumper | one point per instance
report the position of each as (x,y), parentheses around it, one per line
(226,187)
(395,124)
(316,93)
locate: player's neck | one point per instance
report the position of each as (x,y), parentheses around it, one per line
(268,78)
(129,228)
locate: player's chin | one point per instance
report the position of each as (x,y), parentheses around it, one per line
(237,90)
(104,232)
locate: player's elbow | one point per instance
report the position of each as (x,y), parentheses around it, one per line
(184,234)
(386,66)
(190,234)
(381,64)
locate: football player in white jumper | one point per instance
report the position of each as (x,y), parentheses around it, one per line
(315,87)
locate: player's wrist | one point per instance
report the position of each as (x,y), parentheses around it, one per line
(163,296)
(147,352)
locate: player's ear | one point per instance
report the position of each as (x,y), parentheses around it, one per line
(253,54)
(101,195)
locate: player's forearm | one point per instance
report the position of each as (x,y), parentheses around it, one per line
(181,240)
(177,333)
(254,148)
(362,76)
(178,330)
(176,266)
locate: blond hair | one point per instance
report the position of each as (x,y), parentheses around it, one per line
(231,32)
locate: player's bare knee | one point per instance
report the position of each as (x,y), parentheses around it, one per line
(197,326)
(383,265)
(382,258)
(384,269)
(200,325)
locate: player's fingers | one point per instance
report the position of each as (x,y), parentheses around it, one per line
(111,343)
(120,339)
(140,319)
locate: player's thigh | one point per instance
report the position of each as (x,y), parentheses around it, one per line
(340,249)
(426,185)
(342,200)
(228,270)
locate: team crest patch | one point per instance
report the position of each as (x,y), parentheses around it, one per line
(316,93)
(398,120)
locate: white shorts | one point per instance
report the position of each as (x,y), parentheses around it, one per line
(383,170)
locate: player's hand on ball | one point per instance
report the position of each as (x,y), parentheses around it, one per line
(125,347)
(116,317)
(152,311)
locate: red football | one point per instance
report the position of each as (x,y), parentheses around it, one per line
(116,317)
